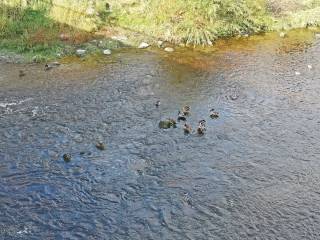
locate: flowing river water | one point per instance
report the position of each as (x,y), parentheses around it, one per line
(255,174)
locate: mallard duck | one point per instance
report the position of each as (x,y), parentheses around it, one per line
(49,66)
(187,128)
(186,110)
(201,127)
(67,157)
(100,146)
(181,116)
(158,104)
(214,114)
(21,73)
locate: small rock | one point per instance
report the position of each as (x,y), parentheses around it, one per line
(317,35)
(282,34)
(168,123)
(143,45)
(107,52)
(160,43)
(310,67)
(100,146)
(67,157)
(80,52)
(297,73)
(169,49)
(158,103)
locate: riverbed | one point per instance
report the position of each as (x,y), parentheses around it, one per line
(254,174)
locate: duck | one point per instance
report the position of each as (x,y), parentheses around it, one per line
(173,123)
(181,116)
(186,110)
(158,103)
(100,146)
(214,114)
(21,73)
(67,157)
(201,127)
(49,66)
(187,128)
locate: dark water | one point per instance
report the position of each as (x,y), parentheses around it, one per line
(253,175)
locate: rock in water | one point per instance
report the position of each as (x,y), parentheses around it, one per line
(169,49)
(80,52)
(107,52)
(143,45)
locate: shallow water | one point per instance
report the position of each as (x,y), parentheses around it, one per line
(253,175)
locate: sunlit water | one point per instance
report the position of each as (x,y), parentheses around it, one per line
(255,174)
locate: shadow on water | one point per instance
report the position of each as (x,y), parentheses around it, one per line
(253,175)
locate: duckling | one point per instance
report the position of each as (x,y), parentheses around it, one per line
(181,116)
(187,128)
(100,146)
(66,157)
(49,66)
(201,127)
(158,104)
(214,114)
(186,110)
(21,73)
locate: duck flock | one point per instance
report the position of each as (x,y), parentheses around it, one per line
(182,116)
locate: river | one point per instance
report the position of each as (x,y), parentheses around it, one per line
(254,174)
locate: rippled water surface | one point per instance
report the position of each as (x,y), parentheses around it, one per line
(253,175)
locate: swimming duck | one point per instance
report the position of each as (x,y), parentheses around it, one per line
(187,128)
(67,157)
(49,66)
(214,114)
(186,110)
(201,127)
(21,73)
(158,104)
(181,116)
(100,146)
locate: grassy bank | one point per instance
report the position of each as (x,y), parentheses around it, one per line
(44,29)
(201,22)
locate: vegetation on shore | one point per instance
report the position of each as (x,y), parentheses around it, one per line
(45,29)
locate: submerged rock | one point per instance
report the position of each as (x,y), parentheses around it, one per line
(143,45)
(107,52)
(168,123)
(67,157)
(169,49)
(81,52)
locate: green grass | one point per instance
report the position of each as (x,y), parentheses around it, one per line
(203,21)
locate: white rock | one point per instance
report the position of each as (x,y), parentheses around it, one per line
(317,35)
(310,67)
(80,52)
(107,52)
(282,34)
(297,73)
(143,45)
(160,43)
(169,49)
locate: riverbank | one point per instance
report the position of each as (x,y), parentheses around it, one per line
(35,33)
